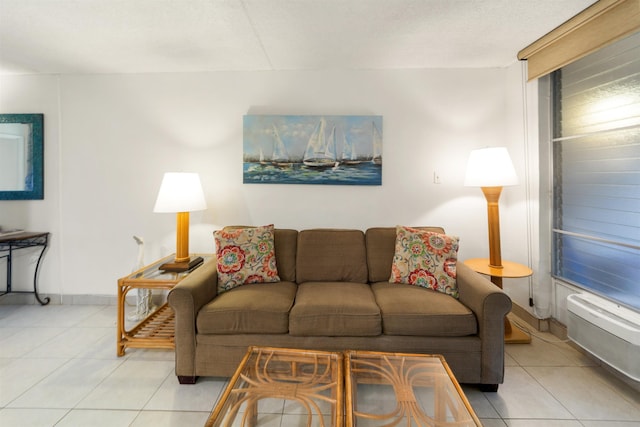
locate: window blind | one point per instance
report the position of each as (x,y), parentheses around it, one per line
(596,153)
(600,24)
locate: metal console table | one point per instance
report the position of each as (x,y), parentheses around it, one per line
(21,240)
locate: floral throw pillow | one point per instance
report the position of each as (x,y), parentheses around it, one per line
(245,255)
(426,259)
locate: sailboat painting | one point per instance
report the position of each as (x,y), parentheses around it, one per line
(334,150)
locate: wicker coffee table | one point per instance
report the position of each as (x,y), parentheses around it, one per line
(309,382)
(381,389)
(389,389)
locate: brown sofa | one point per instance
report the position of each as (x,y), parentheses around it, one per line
(334,294)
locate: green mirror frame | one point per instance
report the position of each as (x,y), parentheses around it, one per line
(35,171)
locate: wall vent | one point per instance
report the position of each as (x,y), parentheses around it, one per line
(607,330)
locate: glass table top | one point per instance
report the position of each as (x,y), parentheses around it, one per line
(153,272)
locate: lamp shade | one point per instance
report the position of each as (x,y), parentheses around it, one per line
(180,192)
(490,167)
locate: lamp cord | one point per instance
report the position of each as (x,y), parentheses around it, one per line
(525,327)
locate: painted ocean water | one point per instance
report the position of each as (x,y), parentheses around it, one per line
(364,173)
(334,150)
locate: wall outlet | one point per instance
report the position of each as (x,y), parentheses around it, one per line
(436,178)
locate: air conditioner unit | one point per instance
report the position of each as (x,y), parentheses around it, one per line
(607,330)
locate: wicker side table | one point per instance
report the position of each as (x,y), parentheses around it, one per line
(157,329)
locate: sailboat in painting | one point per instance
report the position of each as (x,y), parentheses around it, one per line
(280,157)
(377,145)
(321,152)
(349,156)
(318,149)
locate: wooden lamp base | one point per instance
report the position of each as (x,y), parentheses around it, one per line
(182,260)
(514,335)
(182,266)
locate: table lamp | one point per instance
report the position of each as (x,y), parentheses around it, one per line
(491,169)
(181,193)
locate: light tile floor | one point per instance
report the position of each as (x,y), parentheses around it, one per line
(58,367)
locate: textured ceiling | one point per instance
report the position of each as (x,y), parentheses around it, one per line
(131,36)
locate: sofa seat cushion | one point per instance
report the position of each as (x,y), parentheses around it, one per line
(417,311)
(259,308)
(335,309)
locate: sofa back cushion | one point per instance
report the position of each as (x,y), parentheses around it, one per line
(381,246)
(332,255)
(286,243)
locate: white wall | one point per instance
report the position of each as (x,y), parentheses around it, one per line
(24,95)
(119,133)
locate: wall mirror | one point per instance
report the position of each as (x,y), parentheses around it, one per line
(21,156)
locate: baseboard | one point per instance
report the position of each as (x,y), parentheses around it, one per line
(558,329)
(550,325)
(28,298)
(542,325)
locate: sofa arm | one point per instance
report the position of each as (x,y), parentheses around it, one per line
(490,305)
(186,299)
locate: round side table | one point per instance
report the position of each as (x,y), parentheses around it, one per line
(512,334)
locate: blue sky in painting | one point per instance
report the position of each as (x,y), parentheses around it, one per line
(295,132)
